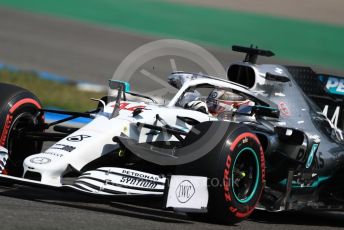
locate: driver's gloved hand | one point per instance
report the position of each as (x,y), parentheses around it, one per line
(3,158)
(198,106)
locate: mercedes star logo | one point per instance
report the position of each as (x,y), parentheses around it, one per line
(40,160)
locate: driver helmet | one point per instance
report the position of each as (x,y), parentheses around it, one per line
(220,100)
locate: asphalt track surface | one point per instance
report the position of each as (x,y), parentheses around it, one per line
(39,42)
(31,208)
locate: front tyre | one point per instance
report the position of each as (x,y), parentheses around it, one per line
(19,113)
(236,172)
(241,167)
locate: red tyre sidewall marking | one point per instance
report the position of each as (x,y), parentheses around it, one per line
(9,117)
(226,186)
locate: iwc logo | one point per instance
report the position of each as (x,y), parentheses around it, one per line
(185,191)
(40,160)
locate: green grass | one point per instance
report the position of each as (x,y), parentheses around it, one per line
(51,94)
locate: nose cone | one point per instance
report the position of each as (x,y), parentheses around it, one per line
(50,167)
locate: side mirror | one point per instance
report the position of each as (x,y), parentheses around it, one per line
(124,86)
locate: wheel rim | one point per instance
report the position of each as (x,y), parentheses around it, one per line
(245,175)
(25,121)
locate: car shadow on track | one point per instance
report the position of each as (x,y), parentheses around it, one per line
(309,218)
(140,207)
(149,208)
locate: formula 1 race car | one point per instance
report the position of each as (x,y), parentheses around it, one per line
(220,148)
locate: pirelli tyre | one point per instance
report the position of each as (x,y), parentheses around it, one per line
(236,172)
(19,113)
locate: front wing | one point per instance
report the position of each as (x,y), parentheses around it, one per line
(184,193)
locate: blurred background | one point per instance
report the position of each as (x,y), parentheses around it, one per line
(86,40)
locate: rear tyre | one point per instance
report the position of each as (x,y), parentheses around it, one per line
(19,112)
(236,172)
